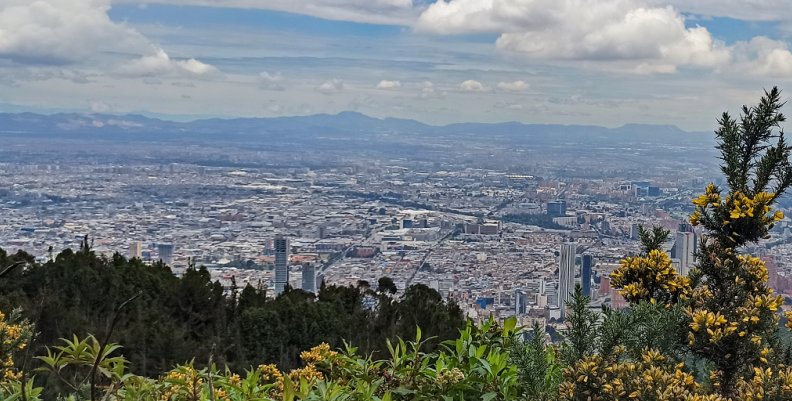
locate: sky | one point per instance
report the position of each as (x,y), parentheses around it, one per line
(601,62)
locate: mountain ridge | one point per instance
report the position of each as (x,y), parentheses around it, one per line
(137,126)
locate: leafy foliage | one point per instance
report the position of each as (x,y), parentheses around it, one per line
(731,315)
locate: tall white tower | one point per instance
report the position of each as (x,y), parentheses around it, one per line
(566,275)
(684,247)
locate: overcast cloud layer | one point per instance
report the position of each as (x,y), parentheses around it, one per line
(604,62)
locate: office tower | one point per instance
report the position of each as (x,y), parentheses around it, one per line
(136,250)
(309,278)
(520,301)
(556,208)
(281,264)
(165,252)
(586,266)
(684,250)
(566,275)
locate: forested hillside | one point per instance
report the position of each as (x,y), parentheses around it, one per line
(178,319)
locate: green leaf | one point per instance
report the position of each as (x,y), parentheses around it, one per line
(489,396)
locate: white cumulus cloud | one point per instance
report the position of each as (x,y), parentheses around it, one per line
(763,57)
(388,85)
(159,63)
(273,82)
(613,30)
(330,87)
(516,86)
(59,32)
(472,85)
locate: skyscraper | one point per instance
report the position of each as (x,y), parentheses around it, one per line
(586,265)
(309,278)
(520,301)
(136,250)
(684,250)
(566,275)
(281,264)
(165,252)
(556,208)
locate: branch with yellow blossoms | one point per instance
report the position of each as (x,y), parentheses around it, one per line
(15,334)
(650,278)
(736,219)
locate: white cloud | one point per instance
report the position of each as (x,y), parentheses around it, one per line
(61,31)
(516,86)
(763,57)
(617,30)
(472,86)
(331,87)
(196,67)
(47,32)
(159,63)
(396,12)
(388,85)
(273,82)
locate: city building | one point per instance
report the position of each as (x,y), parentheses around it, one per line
(520,301)
(684,250)
(165,252)
(281,264)
(586,266)
(566,275)
(136,250)
(309,278)
(557,208)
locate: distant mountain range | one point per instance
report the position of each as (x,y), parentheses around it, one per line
(345,124)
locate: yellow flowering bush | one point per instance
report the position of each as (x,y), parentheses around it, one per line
(651,278)
(732,314)
(15,334)
(317,354)
(766,384)
(652,377)
(737,218)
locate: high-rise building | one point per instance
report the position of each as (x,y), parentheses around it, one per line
(566,275)
(281,264)
(136,250)
(165,252)
(520,301)
(586,266)
(309,278)
(684,250)
(635,231)
(557,208)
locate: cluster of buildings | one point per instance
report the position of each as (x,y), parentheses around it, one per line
(497,242)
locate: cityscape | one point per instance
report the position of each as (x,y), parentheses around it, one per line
(502,237)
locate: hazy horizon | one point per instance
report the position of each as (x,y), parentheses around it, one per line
(598,62)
